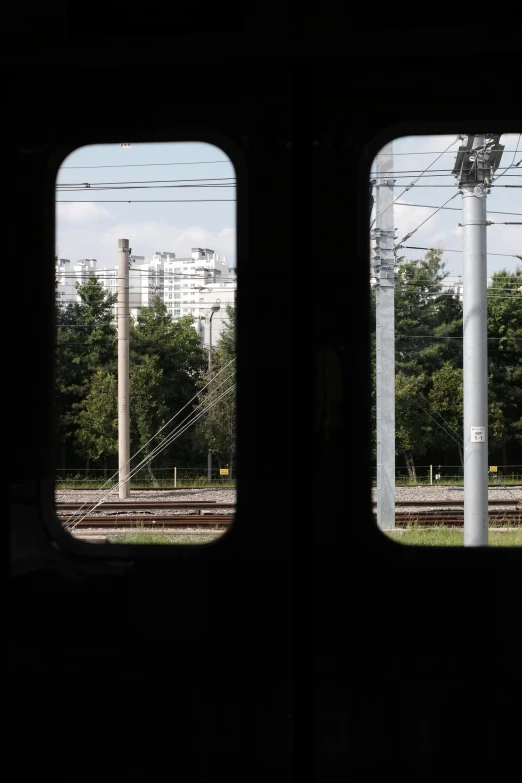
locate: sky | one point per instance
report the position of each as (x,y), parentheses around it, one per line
(442,229)
(90,229)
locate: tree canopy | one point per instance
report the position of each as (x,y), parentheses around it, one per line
(428,364)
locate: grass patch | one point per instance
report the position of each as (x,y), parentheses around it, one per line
(160,538)
(160,484)
(444,537)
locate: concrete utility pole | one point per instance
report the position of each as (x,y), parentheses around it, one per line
(124,252)
(384,266)
(215,309)
(474,169)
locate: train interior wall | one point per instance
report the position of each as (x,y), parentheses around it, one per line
(305,639)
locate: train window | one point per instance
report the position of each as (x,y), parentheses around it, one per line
(145,395)
(445,277)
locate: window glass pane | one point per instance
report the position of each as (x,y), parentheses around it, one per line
(128,361)
(446,279)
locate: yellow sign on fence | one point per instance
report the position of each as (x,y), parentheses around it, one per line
(223,472)
(493,468)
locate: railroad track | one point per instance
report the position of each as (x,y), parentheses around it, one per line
(445,503)
(140,514)
(143,505)
(509,517)
(194,521)
(146,505)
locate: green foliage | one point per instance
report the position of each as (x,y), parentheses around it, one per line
(505,350)
(98,418)
(217,428)
(447,399)
(412,429)
(428,356)
(166,361)
(148,408)
(85,343)
(423,316)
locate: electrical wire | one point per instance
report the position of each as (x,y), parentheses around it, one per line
(441,337)
(430,405)
(453,186)
(148,459)
(458,442)
(427,176)
(379,214)
(453,250)
(140,182)
(143,201)
(512,162)
(502,293)
(154,453)
(417,171)
(136,165)
(152,438)
(492,149)
(453,209)
(163,427)
(419,226)
(146,187)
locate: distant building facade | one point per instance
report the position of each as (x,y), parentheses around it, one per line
(187,286)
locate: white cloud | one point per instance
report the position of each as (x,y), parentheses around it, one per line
(82,213)
(90,231)
(148,237)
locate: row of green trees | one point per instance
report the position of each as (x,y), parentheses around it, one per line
(428,366)
(168,373)
(169,370)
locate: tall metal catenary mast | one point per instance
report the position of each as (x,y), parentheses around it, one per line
(384,270)
(124,252)
(476,161)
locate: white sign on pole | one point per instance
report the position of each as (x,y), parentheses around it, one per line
(478,434)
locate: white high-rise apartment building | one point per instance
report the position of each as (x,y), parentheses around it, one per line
(187,286)
(68,275)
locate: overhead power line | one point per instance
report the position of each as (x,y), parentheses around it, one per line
(438,337)
(396,175)
(419,226)
(178,430)
(452,250)
(143,187)
(454,186)
(512,162)
(420,171)
(141,201)
(135,165)
(413,183)
(142,182)
(452,152)
(453,209)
